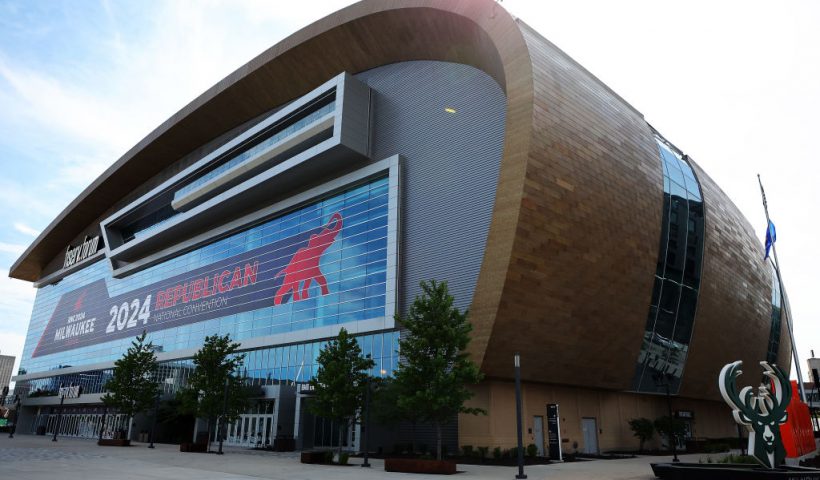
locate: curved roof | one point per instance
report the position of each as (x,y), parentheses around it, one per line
(362,36)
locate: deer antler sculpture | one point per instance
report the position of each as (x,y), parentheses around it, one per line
(761,412)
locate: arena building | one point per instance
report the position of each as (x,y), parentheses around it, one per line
(386,144)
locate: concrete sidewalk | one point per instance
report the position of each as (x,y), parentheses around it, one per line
(32,457)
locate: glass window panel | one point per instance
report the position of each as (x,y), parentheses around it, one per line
(688,173)
(686,315)
(675,174)
(678,190)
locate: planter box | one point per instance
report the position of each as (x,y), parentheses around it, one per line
(314,457)
(111,442)
(730,471)
(193,447)
(284,444)
(418,465)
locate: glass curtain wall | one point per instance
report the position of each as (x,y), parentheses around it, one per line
(677,278)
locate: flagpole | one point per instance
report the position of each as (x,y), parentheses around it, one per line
(783,296)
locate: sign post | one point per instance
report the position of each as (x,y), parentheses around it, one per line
(73,391)
(521,474)
(16,416)
(554,432)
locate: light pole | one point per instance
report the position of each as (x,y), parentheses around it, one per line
(200,397)
(59,413)
(662,380)
(102,424)
(220,429)
(154,420)
(518,416)
(366,424)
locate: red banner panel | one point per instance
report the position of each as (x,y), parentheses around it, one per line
(797,432)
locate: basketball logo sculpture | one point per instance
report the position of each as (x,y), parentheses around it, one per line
(762,412)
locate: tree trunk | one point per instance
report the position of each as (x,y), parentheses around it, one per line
(341,433)
(208,443)
(413,438)
(438,441)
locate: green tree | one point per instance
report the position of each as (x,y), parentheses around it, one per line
(643,429)
(434,376)
(133,386)
(670,426)
(215,364)
(385,407)
(340,382)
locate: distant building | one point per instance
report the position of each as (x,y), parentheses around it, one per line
(6,365)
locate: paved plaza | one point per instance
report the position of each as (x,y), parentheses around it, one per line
(35,457)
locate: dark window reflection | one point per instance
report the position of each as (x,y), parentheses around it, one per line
(675,291)
(774,333)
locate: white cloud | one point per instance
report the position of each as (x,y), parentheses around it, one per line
(12,248)
(16,297)
(25,229)
(60,106)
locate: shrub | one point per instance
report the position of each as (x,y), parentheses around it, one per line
(343,458)
(497,453)
(467,450)
(532,450)
(670,426)
(739,459)
(328,457)
(642,428)
(716,447)
(403,448)
(482,452)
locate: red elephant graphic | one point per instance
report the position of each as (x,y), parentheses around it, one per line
(304,266)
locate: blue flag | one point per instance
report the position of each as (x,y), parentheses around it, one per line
(771,237)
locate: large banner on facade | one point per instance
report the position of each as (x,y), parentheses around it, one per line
(272,275)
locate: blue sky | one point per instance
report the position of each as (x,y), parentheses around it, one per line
(733,83)
(82,82)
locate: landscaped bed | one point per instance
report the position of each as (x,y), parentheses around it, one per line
(504,461)
(420,465)
(193,447)
(114,442)
(324,457)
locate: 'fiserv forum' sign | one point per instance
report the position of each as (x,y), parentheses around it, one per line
(269,276)
(82,251)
